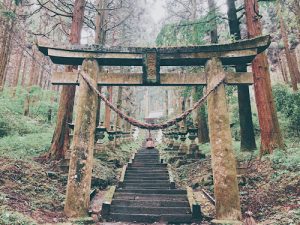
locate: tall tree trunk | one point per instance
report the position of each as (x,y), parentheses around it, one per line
(297,14)
(61,140)
(17,71)
(245,112)
(283,70)
(33,78)
(100,38)
(271,137)
(4,61)
(292,68)
(214,31)
(107,109)
(167,103)
(295,64)
(201,120)
(6,45)
(24,71)
(119,106)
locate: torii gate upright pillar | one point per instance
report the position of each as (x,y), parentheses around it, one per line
(223,160)
(82,149)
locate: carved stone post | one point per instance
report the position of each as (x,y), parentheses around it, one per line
(81,163)
(223,160)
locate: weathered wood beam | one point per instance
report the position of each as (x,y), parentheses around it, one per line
(261,43)
(226,189)
(136,79)
(230,54)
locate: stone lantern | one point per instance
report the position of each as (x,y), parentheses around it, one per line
(118,137)
(99,136)
(100,132)
(193,148)
(183,148)
(170,137)
(111,137)
(176,143)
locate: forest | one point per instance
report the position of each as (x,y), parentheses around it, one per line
(149,112)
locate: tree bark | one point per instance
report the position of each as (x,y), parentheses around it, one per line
(17,72)
(201,119)
(167,103)
(292,68)
(24,71)
(119,106)
(271,137)
(297,14)
(295,64)
(107,109)
(100,38)
(81,162)
(245,112)
(33,78)
(214,31)
(283,71)
(5,49)
(61,140)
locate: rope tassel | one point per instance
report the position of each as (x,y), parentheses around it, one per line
(148,126)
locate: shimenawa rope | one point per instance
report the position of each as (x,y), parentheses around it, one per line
(148,126)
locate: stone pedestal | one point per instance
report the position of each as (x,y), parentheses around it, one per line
(194,151)
(117,143)
(109,146)
(176,146)
(99,147)
(183,148)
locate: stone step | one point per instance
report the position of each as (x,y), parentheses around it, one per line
(147,154)
(149,197)
(138,159)
(147,169)
(147,176)
(158,191)
(146,197)
(155,165)
(150,210)
(146,161)
(151,203)
(147,179)
(146,218)
(147,186)
(137,172)
(146,157)
(154,182)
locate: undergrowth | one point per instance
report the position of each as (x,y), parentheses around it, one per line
(25,136)
(8,217)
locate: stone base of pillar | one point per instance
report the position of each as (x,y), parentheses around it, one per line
(183,148)
(176,146)
(118,143)
(194,151)
(109,146)
(170,144)
(99,147)
(226,222)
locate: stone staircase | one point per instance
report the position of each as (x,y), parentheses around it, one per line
(146,195)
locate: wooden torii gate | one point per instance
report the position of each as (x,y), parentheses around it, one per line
(213,57)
